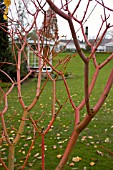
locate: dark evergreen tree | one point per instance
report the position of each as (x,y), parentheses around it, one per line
(5,52)
(7,61)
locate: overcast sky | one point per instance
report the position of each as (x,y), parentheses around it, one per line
(93,22)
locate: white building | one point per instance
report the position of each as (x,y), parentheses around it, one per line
(33,58)
(69,45)
(109,46)
(106,45)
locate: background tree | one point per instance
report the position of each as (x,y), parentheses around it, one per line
(22,22)
(7,62)
(5,48)
(22,16)
(50,25)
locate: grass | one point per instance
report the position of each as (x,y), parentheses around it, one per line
(98,133)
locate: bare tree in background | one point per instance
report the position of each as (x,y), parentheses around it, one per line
(22,14)
(50,25)
(39,7)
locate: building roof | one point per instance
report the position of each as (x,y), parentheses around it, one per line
(45,42)
(69,41)
(104,41)
(110,44)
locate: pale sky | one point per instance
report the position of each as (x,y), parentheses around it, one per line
(93,22)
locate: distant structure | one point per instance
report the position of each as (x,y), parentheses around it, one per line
(86,31)
(33,58)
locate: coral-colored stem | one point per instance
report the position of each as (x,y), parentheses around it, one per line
(77,116)
(68,150)
(86,75)
(90,88)
(3,164)
(104,94)
(43,154)
(28,154)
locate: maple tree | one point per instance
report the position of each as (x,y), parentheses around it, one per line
(70,16)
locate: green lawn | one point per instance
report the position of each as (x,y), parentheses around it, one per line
(98,133)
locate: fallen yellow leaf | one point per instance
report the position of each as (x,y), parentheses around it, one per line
(92,163)
(71,164)
(59,156)
(90,137)
(76,159)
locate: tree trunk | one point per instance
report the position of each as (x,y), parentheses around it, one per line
(11,157)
